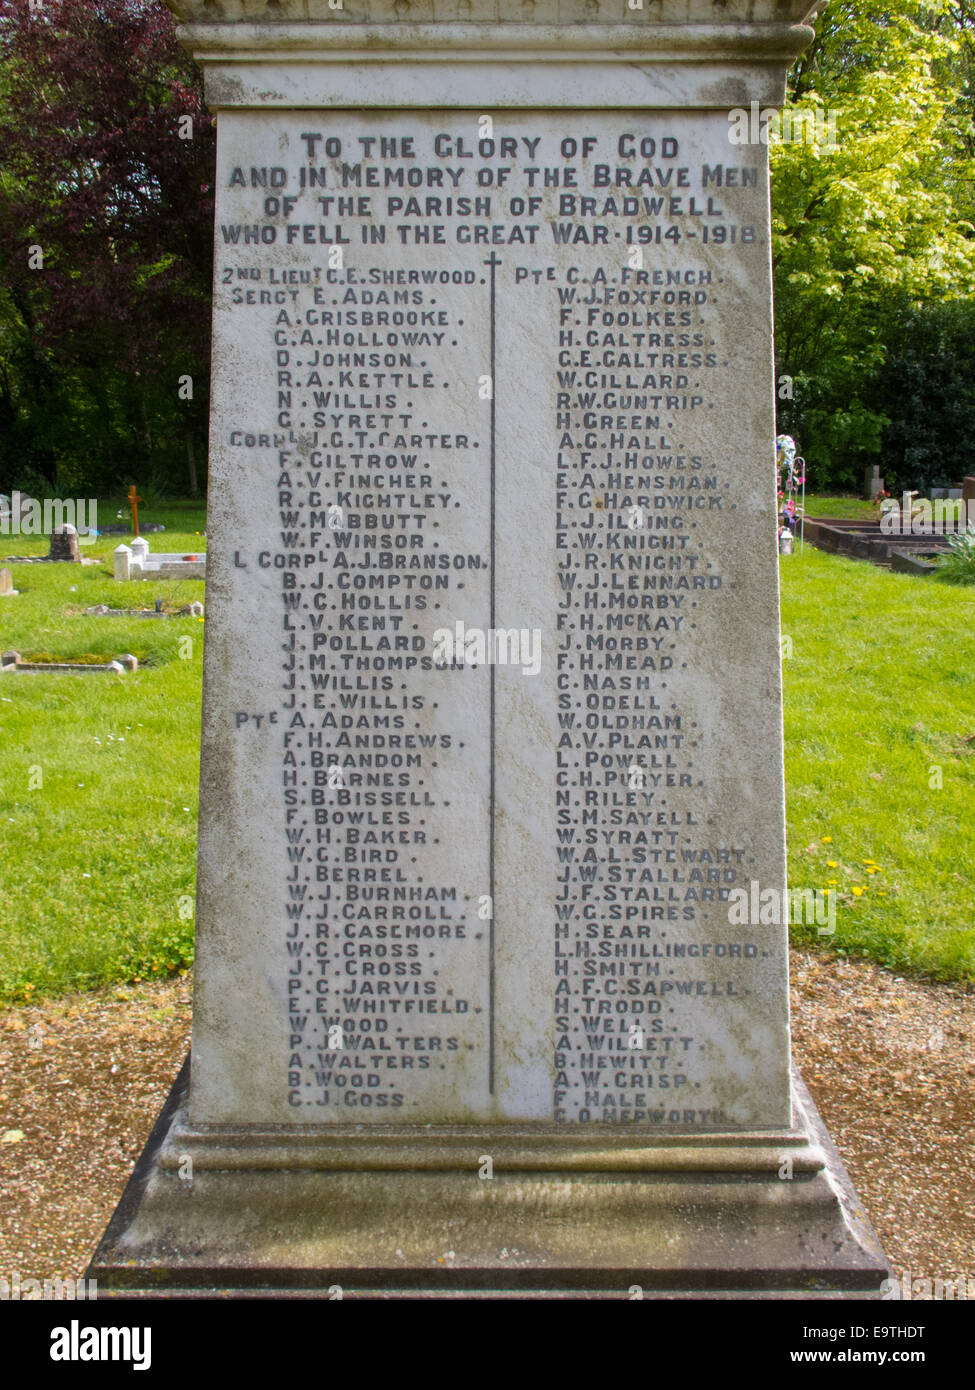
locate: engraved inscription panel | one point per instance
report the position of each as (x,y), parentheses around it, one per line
(492,714)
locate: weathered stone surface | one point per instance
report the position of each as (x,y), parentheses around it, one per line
(136,561)
(466,899)
(12,663)
(122,562)
(565,1214)
(101,610)
(139,547)
(904,563)
(727,18)
(605,801)
(873,483)
(64,545)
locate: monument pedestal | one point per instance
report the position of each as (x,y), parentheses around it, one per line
(392,1213)
(491,991)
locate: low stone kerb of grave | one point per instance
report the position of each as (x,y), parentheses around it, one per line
(11,661)
(102,610)
(135,562)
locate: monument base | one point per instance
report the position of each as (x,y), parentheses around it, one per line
(382,1212)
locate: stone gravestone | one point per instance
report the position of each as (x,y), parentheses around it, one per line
(7,589)
(873,483)
(492,718)
(64,545)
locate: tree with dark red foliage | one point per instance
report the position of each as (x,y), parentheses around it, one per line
(105,245)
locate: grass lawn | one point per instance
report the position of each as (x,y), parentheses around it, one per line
(99,773)
(880,758)
(98,778)
(852,508)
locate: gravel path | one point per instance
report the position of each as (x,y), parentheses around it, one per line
(889,1062)
(891,1066)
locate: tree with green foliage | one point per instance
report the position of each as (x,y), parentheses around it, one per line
(868,231)
(106,203)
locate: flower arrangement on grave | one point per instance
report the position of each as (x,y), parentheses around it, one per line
(790,471)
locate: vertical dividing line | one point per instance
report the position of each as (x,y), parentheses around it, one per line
(493,262)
